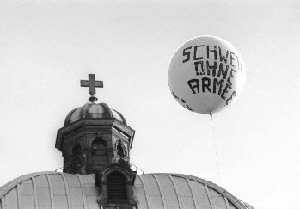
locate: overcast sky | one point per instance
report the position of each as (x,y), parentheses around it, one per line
(47,47)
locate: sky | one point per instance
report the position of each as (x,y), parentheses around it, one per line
(47,47)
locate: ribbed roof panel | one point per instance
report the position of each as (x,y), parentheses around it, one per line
(53,190)
(93,110)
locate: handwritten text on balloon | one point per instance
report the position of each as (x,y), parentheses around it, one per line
(214,68)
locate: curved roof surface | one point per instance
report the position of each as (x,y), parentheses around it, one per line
(93,110)
(53,190)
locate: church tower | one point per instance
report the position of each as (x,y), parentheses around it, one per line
(95,139)
(95,142)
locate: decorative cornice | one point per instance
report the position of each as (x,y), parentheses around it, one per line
(83,123)
(125,129)
(119,135)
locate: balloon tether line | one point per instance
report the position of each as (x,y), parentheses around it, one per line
(216,149)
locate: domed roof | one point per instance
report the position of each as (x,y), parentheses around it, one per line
(93,110)
(153,191)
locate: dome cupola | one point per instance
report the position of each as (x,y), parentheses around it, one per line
(93,110)
(94,136)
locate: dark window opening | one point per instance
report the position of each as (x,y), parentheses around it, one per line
(120,151)
(116,186)
(101,143)
(100,151)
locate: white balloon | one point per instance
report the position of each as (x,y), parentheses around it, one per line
(206,74)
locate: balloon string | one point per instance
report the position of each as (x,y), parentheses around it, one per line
(215,144)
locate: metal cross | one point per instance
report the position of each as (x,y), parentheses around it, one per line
(92,84)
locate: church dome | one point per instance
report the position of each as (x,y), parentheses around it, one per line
(93,110)
(55,190)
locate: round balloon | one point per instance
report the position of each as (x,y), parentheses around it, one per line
(206,74)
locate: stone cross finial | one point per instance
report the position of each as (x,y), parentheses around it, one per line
(92,84)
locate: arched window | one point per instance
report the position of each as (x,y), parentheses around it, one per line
(120,151)
(116,186)
(100,152)
(99,144)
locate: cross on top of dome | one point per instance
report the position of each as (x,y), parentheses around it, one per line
(92,84)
